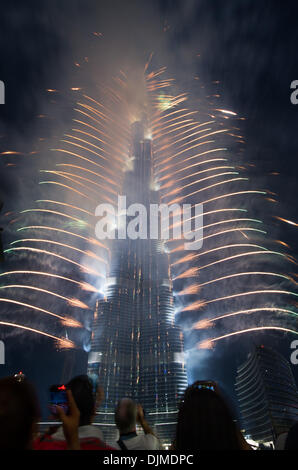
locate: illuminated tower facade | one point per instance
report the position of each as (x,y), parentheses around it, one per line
(267,395)
(137,350)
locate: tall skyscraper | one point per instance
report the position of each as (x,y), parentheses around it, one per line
(267,395)
(137,350)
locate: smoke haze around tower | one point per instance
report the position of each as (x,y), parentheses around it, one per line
(71,49)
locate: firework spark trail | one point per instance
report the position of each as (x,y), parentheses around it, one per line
(98,175)
(193,256)
(93,241)
(172,182)
(223,232)
(182,124)
(169,175)
(174,191)
(195,288)
(287,221)
(104,117)
(85,269)
(84,286)
(62,342)
(40,240)
(65,174)
(190,290)
(189,113)
(252,273)
(173,165)
(65,186)
(49,211)
(198,304)
(84,148)
(112,146)
(240,294)
(186,133)
(251,253)
(232,209)
(87,187)
(65,320)
(193,146)
(72,302)
(92,136)
(242,219)
(201,324)
(192,272)
(66,205)
(208,344)
(178,165)
(87,169)
(81,157)
(231,180)
(97,122)
(86,142)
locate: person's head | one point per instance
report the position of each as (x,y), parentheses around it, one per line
(205,422)
(126,415)
(82,391)
(292,438)
(19,414)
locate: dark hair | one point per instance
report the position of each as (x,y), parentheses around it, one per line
(292,438)
(205,422)
(126,418)
(82,391)
(19,410)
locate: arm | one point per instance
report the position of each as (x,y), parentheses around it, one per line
(141,420)
(99,397)
(242,442)
(70,423)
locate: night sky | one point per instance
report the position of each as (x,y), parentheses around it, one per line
(249,46)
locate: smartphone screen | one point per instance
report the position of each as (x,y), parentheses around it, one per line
(58,397)
(206,385)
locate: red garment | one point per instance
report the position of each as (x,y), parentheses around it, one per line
(46,442)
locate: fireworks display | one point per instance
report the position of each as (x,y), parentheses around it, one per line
(237,283)
(58,244)
(147,216)
(241,276)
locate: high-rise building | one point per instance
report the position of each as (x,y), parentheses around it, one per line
(267,395)
(136,349)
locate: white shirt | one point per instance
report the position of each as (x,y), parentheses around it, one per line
(140,442)
(84,431)
(281,441)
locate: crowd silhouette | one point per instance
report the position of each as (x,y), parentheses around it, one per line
(205,421)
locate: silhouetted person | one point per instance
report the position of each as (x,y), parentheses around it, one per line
(281,441)
(206,423)
(19,414)
(90,436)
(127,415)
(292,438)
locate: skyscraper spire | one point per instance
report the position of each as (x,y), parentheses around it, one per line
(137,350)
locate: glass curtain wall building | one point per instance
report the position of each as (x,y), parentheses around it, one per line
(267,395)
(136,349)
